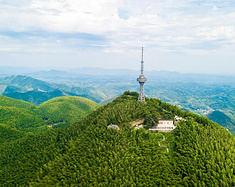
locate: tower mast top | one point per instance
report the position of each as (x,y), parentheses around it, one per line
(142,62)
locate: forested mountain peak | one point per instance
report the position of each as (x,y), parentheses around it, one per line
(67,108)
(223,120)
(26,117)
(10,102)
(16,79)
(26,83)
(37,97)
(201,153)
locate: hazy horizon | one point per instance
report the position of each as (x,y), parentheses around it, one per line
(24,70)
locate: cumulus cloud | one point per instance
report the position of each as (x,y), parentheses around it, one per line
(219,32)
(148,20)
(116,26)
(63,16)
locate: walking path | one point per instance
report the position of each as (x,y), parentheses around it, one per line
(163,145)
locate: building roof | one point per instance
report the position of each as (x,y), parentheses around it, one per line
(112,126)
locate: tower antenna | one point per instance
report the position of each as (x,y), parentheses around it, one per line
(142,62)
(142,79)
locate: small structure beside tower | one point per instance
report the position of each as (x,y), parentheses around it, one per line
(142,79)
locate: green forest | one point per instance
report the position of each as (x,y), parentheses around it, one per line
(21,116)
(86,153)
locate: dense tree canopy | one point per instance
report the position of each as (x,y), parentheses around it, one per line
(201,153)
(26,117)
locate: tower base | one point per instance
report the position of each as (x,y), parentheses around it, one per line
(141,98)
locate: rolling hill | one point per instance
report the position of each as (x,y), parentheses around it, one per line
(223,120)
(201,153)
(66,109)
(38,97)
(8,134)
(201,98)
(10,102)
(20,117)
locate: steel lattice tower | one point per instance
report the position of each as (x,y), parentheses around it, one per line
(142,79)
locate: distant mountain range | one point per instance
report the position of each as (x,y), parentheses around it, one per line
(94,73)
(122,75)
(24,83)
(201,94)
(37,91)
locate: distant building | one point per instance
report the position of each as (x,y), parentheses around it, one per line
(164,125)
(177,118)
(113,126)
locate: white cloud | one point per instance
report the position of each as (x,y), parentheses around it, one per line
(60,16)
(113,51)
(116,26)
(221,32)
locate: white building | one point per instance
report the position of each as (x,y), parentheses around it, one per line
(113,126)
(177,118)
(164,125)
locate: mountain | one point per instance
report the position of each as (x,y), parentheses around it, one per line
(9,89)
(25,83)
(8,134)
(22,119)
(166,76)
(67,109)
(51,73)
(31,89)
(95,73)
(201,153)
(101,71)
(10,102)
(107,101)
(195,92)
(38,97)
(186,91)
(223,120)
(55,76)
(19,117)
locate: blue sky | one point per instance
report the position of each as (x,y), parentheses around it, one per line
(192,36)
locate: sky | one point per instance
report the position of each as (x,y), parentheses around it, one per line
(188,36)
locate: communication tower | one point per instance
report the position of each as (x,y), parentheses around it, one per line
(142,79)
